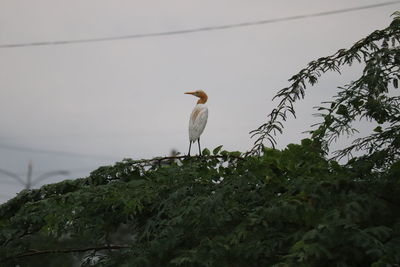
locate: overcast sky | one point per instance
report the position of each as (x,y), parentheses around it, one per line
(110,100)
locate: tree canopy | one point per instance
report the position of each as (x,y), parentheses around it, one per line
(265,207)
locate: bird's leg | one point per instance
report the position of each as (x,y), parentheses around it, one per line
(198,141)
(190,144)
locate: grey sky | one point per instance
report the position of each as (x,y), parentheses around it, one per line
(125,98)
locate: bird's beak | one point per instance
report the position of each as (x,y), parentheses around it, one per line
(190,93)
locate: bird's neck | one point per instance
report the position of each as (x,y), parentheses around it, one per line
(203,99)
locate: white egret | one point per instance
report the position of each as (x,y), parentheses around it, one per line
(198,118)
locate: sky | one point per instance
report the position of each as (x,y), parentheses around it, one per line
(79,106)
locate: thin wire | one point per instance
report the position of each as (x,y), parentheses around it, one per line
(54,152)
(201,29)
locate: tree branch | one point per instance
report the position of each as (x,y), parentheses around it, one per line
(34,252)
(160,159)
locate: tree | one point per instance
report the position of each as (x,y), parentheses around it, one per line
(370,96)
(267,207)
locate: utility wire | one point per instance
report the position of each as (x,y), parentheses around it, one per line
(200,29)
(54,152)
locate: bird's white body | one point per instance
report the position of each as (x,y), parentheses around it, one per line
(197,122)
(198,118)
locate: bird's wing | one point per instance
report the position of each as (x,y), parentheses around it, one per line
(198,121)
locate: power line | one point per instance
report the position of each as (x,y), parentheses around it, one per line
(200,29)
(54,152)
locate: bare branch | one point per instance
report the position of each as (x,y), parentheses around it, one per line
(34,252)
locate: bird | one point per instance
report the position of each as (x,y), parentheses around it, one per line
(198,118)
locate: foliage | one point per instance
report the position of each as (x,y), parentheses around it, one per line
(268,207)
(283,208)
(370,96)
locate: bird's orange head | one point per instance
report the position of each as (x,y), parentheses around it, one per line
(200,94)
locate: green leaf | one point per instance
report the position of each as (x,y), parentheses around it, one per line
(235,153)
(224,153)
(216,150)
(342,110)
(205,152)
